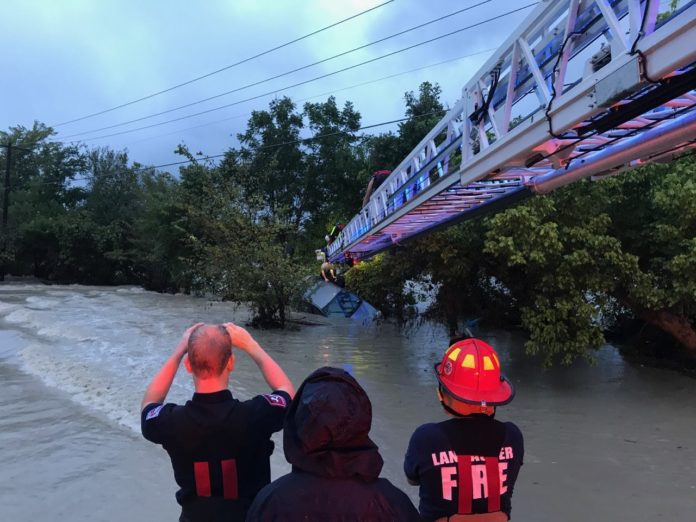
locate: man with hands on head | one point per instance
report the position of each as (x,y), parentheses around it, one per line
(219,446)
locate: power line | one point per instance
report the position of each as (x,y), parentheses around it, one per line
(245,60)
(286,73)
(263,147)
(261,96)
(299,100)
(302,140)
(349,87)
(275,91)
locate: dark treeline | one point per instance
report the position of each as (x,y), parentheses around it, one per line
(244,229)
(589,260)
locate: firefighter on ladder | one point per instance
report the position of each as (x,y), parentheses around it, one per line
(467,466)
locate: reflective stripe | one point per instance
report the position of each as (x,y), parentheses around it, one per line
(493,478)
(202,478)
(466,486)
(229,479)
(482,517)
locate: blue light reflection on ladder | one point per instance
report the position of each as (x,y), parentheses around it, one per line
(592,83)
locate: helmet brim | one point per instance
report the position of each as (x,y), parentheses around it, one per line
(502,395)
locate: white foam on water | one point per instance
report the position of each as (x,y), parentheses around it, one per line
(131,290)
(590,411)
(13,287)
(71,333)
(102,346)
(42,303)
(45,324)
(58,293)
(106,377)
(85,382)
(6,308)
(20,316)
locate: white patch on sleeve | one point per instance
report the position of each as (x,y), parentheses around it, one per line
(154,412)
(276,400)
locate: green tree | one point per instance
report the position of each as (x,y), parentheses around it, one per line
(271,148)
(423,112)
(335,176)
(235,247)
(253,267)
(41,197)
(460,273)
(381,282)
(114,204)
(577,259)
(654,217)
(160,240)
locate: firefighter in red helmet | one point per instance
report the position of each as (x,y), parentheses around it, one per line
(467,466)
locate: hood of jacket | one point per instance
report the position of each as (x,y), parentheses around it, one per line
(327,426)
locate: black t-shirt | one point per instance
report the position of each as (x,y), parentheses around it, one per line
(220,449)
(464,465)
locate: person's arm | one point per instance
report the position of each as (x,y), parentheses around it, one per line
(368,192)
(271,371)
(411,460)
(158,388)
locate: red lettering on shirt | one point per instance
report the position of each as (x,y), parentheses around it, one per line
(475,478)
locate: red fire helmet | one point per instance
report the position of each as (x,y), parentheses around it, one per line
(470,372)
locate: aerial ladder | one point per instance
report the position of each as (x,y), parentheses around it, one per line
(582,88)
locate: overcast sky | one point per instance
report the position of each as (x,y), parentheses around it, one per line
(64,59)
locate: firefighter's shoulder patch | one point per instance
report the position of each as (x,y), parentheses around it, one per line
(275,400)
(154,412)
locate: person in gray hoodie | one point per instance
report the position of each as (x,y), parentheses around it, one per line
(335,465)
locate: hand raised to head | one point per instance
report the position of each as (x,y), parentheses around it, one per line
(182,347)
(240,337)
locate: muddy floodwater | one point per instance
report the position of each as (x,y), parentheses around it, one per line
(610,442)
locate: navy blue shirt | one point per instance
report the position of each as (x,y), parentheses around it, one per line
(220,449)
(464,465)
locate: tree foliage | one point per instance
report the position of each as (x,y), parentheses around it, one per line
(243,230)
(566,266)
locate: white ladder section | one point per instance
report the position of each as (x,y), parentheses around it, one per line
(582,88)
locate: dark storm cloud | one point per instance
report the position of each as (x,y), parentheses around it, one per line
(76,57)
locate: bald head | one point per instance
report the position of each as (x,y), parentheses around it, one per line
(209,349)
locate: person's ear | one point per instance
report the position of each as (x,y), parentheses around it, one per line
(187,364)
(439,395)
(230,363)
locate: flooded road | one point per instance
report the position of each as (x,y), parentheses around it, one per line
(610,442)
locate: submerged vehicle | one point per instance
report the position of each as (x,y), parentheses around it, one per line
(330,300)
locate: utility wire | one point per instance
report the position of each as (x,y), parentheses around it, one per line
(349,87)
(286,73)
(275,91)
(263,147)
(245,60)
(261,96)
(302,140)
